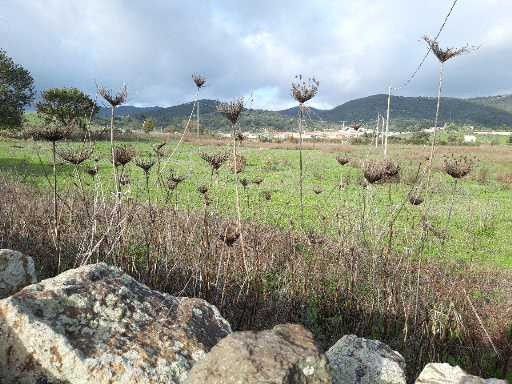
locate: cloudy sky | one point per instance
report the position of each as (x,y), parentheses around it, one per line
(255,48)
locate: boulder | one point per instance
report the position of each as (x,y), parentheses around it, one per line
(95,324)
(16,271)
(285,354)
(443,373)
(363,361)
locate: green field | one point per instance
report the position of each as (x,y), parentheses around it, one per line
(478,231)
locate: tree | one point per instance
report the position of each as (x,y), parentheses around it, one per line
(66,106)
(148,125)
(16,91)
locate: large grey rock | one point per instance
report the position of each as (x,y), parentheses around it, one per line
(443,373)
(363,361)
(16,271)
(285,354)
(97,325)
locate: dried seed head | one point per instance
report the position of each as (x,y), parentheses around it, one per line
(244,182)
(92,171)
(318,190)
(444,55)
(230,234)
(215,160)
(232,110)
(458,166)
(303,90)
(123,154)
(74,156)
(267,195)
(177,179)
(415,199)
(241,162)
(171,184)
(381,171)
(51,132)
(159,149)
(124,180)
(114,99)
(239,137)
(202,189)
(258,180)
(342,159)
(199,80)
(145,164)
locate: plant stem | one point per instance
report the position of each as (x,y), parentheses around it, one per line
(116,182)
(387,123)
(55,212)
(436,122)
(301,165)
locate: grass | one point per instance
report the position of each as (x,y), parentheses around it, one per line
(414,282)
(477,233)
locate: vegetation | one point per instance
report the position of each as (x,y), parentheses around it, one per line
(66,106)
(380,260)
(16,91)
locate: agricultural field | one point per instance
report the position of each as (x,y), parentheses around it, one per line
(470,218)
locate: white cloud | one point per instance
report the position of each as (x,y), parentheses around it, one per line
(355,48)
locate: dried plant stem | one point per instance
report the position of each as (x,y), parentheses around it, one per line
(55,206)
(238,210)
(301,163)
(116,179)
(197,116)
(387,123)
(436,122)
(452,203)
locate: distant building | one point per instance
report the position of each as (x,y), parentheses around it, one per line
(469,139)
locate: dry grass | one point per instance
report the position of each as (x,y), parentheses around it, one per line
(333,286)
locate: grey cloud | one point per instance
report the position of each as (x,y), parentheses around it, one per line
(355,48)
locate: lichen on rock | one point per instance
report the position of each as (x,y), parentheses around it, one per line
(95,324)
(16,271)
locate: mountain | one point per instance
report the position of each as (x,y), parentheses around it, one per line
(502,102)
(407,113)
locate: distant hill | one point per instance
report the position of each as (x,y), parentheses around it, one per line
(406,113)
(502,102)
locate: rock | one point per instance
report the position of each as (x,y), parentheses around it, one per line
(16,271)
(285,354)
(357,360)
(95,324)
(443,373)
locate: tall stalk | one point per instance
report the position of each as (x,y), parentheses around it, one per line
(301,163)
(436,122)
(114,168)
(55,206)
(302,91)
(387,123)
(114,100)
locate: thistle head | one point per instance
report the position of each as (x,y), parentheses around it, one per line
(145,164)
(159,149)
(342,159)
(458,166)
(113,98)
(215,160)
(443,55)
(51,132)
(229,234)
(123,154)
(381,171)
(75,156)
(303,90)
(199,80)
(232,110)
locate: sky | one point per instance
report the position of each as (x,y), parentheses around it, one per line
(254,49)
